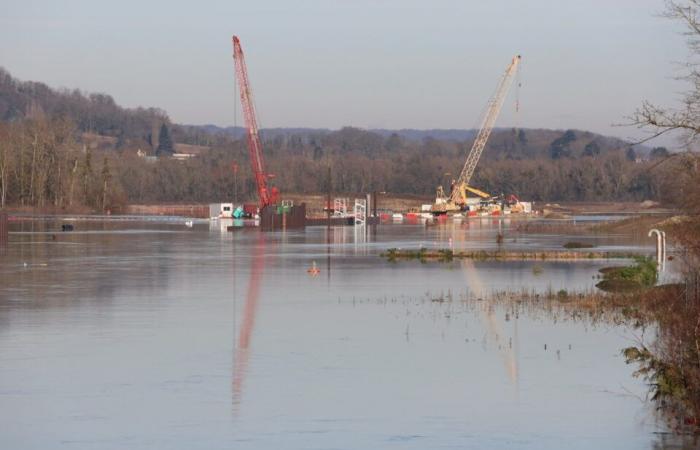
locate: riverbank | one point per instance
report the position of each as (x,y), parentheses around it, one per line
(400,203)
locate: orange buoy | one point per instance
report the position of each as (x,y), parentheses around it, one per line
(314,270)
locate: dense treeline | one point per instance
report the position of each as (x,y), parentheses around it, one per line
(43,163)
(67,149)
(515,161)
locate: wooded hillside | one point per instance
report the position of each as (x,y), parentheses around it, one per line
(66,148)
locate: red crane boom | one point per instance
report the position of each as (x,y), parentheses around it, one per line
(266,196)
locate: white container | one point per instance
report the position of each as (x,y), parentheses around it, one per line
(220,211)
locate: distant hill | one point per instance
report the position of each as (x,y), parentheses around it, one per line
(92,113)
(406,133)
(107,125)
(504,143)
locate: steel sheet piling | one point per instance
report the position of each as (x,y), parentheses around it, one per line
(287,219)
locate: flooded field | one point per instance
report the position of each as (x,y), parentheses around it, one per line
(148,334)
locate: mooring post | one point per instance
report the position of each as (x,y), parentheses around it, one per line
(660,247)
(663,250)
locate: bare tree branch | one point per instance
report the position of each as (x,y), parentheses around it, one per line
(664,120)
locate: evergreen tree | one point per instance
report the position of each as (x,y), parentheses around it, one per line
(559,148)
(591,149)
(165,142)
(521,136)
(659,152)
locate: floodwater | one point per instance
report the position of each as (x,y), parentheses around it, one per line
(147,334)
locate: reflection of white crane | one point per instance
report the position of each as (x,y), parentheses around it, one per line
(509,353)
(458,196)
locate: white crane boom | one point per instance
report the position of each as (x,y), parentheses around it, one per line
(494,108)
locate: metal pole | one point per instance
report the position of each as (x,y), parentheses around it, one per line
(4,232)
(328,201)
(374,204)
(659,249)
(368,212)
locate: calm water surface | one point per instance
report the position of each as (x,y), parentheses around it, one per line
(152,335)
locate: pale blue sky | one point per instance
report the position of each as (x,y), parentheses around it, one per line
(330,63)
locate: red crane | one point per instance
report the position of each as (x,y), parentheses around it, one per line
(266,196)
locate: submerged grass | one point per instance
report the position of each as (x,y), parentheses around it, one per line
(576,244)
(670,364)
(447,255)
(629,278)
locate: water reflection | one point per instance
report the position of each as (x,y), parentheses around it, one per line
(130,327)
(488,316)
(241,360)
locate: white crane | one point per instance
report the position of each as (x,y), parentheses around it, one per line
(458,195)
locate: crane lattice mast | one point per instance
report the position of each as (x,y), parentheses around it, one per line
(494,108)
(266,197)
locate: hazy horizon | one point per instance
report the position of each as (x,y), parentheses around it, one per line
(388,64)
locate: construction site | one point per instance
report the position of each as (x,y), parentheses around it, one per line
(386,250)
(460,201)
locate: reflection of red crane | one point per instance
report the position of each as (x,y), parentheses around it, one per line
(248,321)
(266,196)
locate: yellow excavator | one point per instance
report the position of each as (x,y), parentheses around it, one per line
(457,199)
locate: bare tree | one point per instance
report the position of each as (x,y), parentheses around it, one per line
(4,163)
(662,120)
